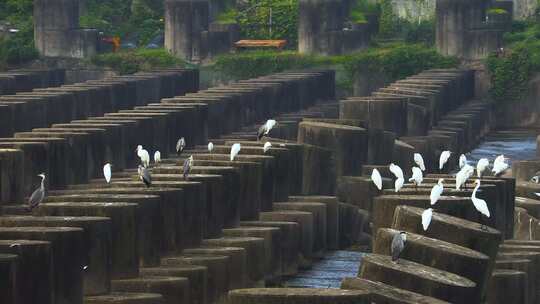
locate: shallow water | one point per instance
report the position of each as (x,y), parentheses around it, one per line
(328,272)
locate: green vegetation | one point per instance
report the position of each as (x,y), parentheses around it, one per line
(361,8)
(18,47)
(512,69)
(128,62)
(496,11)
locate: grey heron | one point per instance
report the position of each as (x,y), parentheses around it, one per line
(180,145)
(38,195)
(145,176)
(398,244)
(188,163)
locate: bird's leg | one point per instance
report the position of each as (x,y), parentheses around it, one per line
(483,227)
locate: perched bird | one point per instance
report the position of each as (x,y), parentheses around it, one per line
(188,163)
(267,146)
(396,170)
(145,176)
(38,195)
(265,129)
(499,165)
(376,178)
(535,179)
(210,147)
(463,175)
(436,192)
(180,145)
(462,161)
(481,166)
(398,184)
(143,155)
(398,244)
(479,203)
(426,218)
(537,194)
(417,176)
(107,173)
(235,149)
(443,159)
(157,157)
(419,160)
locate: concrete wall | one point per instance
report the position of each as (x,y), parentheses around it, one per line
(414,10)
(522,113)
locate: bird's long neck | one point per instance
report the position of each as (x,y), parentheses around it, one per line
(475,189)
(43,183)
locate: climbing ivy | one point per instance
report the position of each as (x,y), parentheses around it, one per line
(387,19)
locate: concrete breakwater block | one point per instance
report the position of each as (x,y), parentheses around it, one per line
(507,286)
(319,174)
(387,294)
(290,243)
(174,290)
(525,266)
(534,257)
(449,229)
(272,247)
(453,258)
(34,270)
(255,255)
(68,257)
(126,298)
(418,278)
(11,182)
(524,170)
(125,254)
(332,216)
(237,259)
(384,207)
(150,230)
(360,190)
(218,271)
(8,278)
(197,276)
(297,296)
(348,143)
(97,236)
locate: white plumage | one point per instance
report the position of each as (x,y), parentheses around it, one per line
(398,184)
(417,176)
(419,160)
(396,170)
(267,146)
(210,147)
(462,161)
(426,218)
(157,157)
(143,155)
(443,159)
(107,172)
(479,203)
(269,125)
(481,166)
(463,175)
(376,178)
(499,165)
(235,149)
(537,194)
(180,145)
(436,192)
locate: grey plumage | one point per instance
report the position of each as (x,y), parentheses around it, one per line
(145,176)
(38,195)
(260,132)
(188,163)
(180,145)
(398,243)
(536,178)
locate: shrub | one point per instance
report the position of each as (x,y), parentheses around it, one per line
(128,62)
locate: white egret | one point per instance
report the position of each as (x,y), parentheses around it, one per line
(537,194)
(426,218)
(38,195)
(143,156)
(398,244)
(479,203)
(462,161)
(396,170)
(188,164)
(235,149)
(267,147)
(398,184)
(107,173)
(145,176)
(157,157)
(417,177)
(419,160)
(499,165)
(443,159)
(436,192)
(376,178)
(210,147)
(180,145)
(265,128)
(481,166)
(463,175)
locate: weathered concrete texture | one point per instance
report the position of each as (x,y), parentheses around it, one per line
(502,281)
(197,276)
(8,275)
(297,296)
(126,298)
(525,266)
(237,259)
(173,289)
